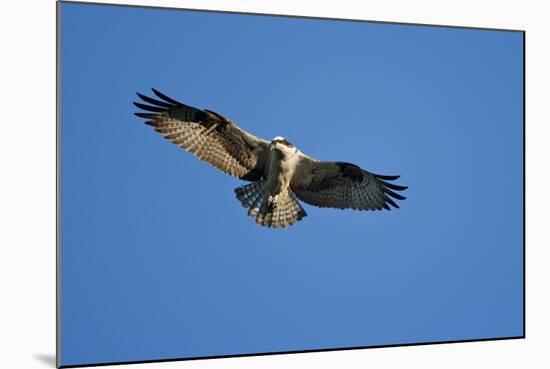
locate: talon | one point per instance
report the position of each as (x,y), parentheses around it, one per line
(273,199)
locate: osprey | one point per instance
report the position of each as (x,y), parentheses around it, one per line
(280,173)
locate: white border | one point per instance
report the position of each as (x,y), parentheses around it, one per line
(27,183)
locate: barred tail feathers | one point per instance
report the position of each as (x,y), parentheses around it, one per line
(283,212)
(249,194)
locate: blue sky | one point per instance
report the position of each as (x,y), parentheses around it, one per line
(158,258)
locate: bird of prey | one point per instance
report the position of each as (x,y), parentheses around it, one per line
(280,173)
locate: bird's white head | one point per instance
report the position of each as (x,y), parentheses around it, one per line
(281,144)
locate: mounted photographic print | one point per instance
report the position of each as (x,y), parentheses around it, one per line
(238,184)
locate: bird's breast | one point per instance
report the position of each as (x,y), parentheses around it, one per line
(281,168)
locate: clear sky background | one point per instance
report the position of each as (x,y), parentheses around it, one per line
(158,258)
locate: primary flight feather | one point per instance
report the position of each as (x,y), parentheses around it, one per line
(280,173)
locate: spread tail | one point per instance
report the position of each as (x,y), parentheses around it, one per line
(281,211)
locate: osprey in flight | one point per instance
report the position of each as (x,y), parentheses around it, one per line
(280,173)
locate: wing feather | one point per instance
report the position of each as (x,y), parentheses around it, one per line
(344,186)
(206,134)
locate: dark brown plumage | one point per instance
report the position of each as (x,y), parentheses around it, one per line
(280,173)
(206,134)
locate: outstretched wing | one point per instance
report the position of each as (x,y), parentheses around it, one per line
(343,186)
(206,134)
